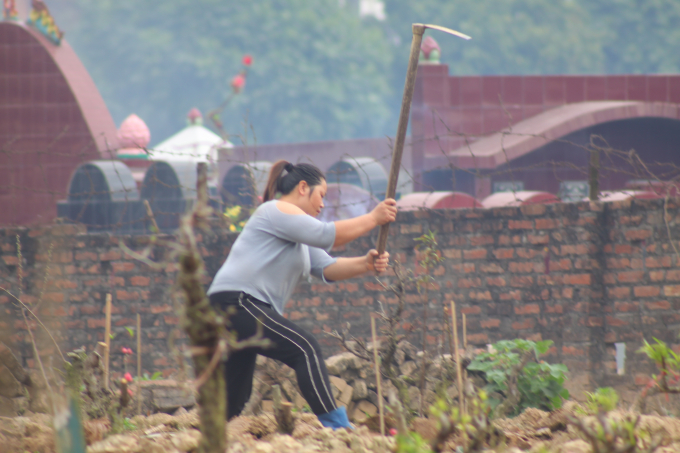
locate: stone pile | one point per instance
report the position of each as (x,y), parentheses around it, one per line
(19,392)
(353,382)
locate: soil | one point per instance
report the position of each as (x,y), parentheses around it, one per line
(532,431)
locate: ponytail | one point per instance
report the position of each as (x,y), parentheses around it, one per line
(284,177)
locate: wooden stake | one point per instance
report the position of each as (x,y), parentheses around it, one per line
(149,214)
(464,332)
(377,376)
(107,340)
(458,368)
(139,364)
(282,412)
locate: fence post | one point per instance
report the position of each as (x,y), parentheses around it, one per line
(594,174)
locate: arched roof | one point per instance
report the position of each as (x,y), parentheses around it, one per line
(524,137)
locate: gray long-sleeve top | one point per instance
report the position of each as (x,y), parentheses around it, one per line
(273,253)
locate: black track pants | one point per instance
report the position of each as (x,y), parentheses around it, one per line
(291,345)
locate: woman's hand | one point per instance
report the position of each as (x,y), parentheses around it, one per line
(385,212)
(377,263)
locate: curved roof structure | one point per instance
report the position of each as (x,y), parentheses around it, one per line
(526,136)
(52,119)
(437,200)
(518,198)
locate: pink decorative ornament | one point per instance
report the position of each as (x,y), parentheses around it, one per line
(247,60)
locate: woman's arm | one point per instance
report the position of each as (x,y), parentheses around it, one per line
(345,268)
(350,229)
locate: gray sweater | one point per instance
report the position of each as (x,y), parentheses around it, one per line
(273,253)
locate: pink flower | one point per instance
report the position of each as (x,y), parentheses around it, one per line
(247,60)
(128,377)
(393,432)
(238,82)
(125,350)
(130,392)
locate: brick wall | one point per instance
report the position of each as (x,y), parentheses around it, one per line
(613,277)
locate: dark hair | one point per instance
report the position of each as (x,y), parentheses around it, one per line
(285,183)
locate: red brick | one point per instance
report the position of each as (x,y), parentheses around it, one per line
(663,261)
(125,295)
(521,267)
(621,249)
(97,281)
(469,268)
(489,323)
(503,240)
(545,224)
(528,253)
(659,305)
(528,323)
(156,309)
(482,295)
(647,291)
(495,281)
(86,256)
(615,322)
(511,295)
(592,321)
(529,309)
(478,338)
(521,281)
(96,323)
(625,307)
(476,254)
(571,350)
(476,241)
(111,255)
(621,292)
(536,239)
(53,297)
(577,279)
(411,228)
(520,224)
(452,254)
(557,308)
(469,282)
(630,277)
(618,263)
(171,320)
(504,254)
(139,280)
(671,275)
(474,310)
(10,260)
(124,266)
(635,235)
(491,268)
(642,379)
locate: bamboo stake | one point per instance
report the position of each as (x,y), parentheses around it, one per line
(458,369)
(377,377)
(107,340)
(139,364)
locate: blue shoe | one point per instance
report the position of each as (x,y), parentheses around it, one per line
(336,419)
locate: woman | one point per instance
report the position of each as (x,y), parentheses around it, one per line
(280,244)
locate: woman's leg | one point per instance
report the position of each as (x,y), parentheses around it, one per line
(238,372)
(296,348)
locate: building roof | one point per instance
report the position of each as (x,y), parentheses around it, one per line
(194,142)
(534,132)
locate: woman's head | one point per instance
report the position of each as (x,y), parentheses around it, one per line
(284,177)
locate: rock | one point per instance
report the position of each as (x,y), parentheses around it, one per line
(426,428)
(267,406)
(187,440)
(408,368)
(575,446)
(346,396)
(363,410)
(339,383)
(263,447)
(338,364)
(116,444)
(166,395)
(360,390)
(9,386)
(11,407)
(414,398)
